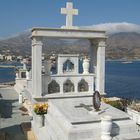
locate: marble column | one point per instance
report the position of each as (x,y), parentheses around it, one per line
(60,66)
(100,71)
(93,54)
(90,87)
(76,88)
(27,75)
(36,67)
(61,87)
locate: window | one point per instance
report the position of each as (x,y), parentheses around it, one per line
(53,87)
(82,86)
(68,86)
(23,74)
(68,66)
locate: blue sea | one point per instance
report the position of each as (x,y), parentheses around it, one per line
(122,79)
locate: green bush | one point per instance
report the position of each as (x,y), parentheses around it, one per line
(117,104)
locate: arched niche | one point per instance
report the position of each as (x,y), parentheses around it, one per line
(83,86)
(68,66)
(53,87)
(68,86)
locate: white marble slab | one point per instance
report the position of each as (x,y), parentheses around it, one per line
(75,115)
(67,121)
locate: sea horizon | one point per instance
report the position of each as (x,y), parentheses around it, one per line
(121,79)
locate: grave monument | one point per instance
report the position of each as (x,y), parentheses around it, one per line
(71,115)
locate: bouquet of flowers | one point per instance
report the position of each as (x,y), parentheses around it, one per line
(41,108)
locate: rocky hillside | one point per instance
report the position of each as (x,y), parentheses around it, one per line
(119,45)
(123,45)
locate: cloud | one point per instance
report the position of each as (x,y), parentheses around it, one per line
(28,31)
(112,28)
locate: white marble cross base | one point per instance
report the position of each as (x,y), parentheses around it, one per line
(69,27)
(94,112)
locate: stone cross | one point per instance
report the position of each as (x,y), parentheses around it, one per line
(69,11)
(87,107)
(91,109)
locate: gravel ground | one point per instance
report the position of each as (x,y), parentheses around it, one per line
(11,116)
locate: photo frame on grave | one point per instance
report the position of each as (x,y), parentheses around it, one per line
(96,100)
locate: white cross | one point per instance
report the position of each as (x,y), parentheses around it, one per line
(69,11)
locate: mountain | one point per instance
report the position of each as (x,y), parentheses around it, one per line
(123,45)
(119,45)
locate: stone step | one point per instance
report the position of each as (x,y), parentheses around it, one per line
(132,136)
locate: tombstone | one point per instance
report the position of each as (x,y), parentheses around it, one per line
(71,116)
(71,119)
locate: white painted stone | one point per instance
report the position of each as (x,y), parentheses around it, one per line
(39,119)
(106,127)
(36,67)
(100,71)
(86,66)
(135,115)
(75,78)
(62,58)
(93,54)
(69,11)
(68,33)
(69,74)
(17,75)
(20,85)
(20,98)
(66,121)
(63,120)
(24,66)
(27,75)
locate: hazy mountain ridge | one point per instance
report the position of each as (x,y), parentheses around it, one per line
(119,45)
(123,45)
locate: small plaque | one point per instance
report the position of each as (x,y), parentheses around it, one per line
(96,100)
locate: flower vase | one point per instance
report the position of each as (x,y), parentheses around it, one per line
(40,120)
(86,66)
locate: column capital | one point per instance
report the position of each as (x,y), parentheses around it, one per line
(93,42)
(102,43)
(97,42)
(37,41)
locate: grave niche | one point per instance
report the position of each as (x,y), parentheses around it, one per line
(68,66)
(53,87)
(83,86)
(68,86)
(23,74)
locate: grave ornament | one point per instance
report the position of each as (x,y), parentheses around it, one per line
(96,100)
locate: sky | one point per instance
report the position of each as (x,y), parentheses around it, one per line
(17,16)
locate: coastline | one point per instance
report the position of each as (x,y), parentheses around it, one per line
(7,84)
(122,79)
